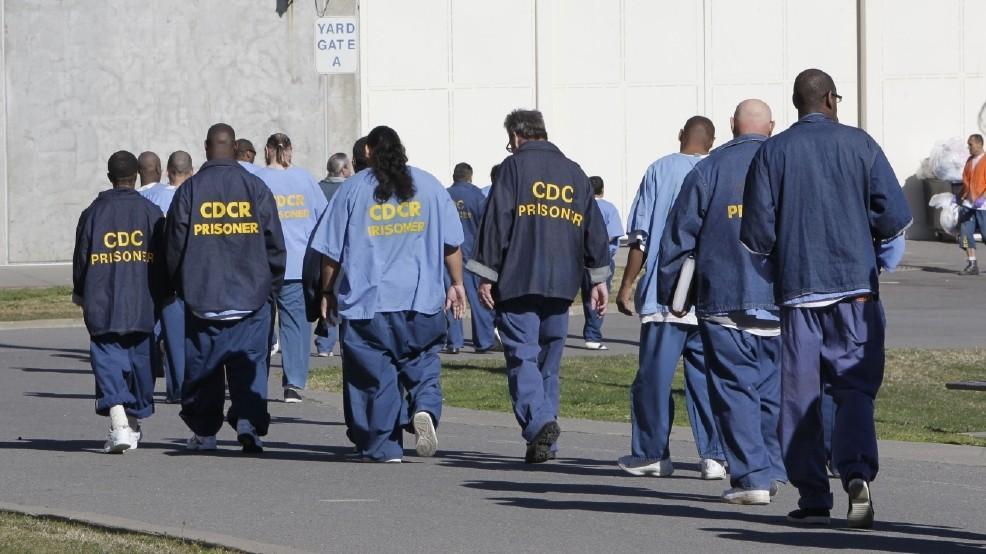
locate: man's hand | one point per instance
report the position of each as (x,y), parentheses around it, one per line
(600,298)
(330,308)
(624,300)
(455,300)
(486,294)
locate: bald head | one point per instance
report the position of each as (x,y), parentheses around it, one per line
(220,142)
(814,91)
(697,136)
(179,167)
(149,168)
(752,117)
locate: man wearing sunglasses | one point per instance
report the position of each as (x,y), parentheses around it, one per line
(823,202)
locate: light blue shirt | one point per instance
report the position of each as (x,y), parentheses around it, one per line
(392,254)
(649,214)
(300,202)
(252,168)
(161,195)
(614,224)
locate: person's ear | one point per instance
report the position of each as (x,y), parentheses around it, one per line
(681,135)
(109,177)
(732,125)
(770,129)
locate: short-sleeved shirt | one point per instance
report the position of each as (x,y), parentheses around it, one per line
(648,215)
(614,224)
(300,202)
(161,195)
(392,253)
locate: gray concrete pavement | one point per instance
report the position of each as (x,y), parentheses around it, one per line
(305,493)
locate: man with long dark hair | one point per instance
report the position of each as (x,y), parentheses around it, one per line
(541,230)
(388,232)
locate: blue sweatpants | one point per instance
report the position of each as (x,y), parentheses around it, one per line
(326,336)
(842,345)
(533,331)
(652,407)
(124,377)
(296,335)
(480,316)
(745,389)
(173,333)
(592,329)
(380,356)
(236,352)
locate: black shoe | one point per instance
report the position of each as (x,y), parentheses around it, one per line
(251,443)
(482,350)
(861,513)
(292,395)
(813,516)
(971,269)
(539,449)
(451,350)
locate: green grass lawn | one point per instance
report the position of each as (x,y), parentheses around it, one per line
(20,533)
(37,303)
(913,404)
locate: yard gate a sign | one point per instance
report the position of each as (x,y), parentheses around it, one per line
(336,45)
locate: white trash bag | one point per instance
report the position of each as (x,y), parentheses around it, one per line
(947,159)
(949,215)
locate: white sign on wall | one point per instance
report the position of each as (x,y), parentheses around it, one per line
(336,45)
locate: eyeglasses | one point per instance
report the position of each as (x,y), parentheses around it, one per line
(838,97)
(510,147)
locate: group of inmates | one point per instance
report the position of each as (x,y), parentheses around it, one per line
(782,337)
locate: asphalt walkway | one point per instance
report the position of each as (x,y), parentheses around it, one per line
(307,494)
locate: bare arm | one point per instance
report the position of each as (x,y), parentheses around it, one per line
(455,297)
(635,262)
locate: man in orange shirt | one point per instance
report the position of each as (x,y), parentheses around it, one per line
(973,210)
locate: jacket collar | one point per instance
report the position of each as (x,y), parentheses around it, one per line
(814,117)
(213,163)
(750,137)
(538,145)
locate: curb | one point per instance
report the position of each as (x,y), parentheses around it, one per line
(113,523)
(41,324)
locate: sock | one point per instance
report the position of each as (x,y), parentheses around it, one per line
(118,417)
(972,258)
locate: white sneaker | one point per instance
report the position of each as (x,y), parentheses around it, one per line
(196,442)
(590,345)
(712,470)
(275,349)
(646,467)
(367,460)
(424,430)
(246,433)
(119,440)
(737,495)
(135,435)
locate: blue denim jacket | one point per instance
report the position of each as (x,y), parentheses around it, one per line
(705,221)
(818,197)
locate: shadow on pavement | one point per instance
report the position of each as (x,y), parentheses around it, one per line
(861,540)
(570,466)
(61,395)
(300,421)
(583,489)
(72,351)
(60,370)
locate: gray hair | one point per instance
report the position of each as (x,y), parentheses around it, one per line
(337,162)
(180,163)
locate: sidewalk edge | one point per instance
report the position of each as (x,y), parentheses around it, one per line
(114,523)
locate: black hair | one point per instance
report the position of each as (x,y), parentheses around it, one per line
(220,133)
(121,165)
(976,137)
(359,155)
(494,171)
(462,172)
(597,184)
(389,163)
(698,125)
(810,88)
(526,124)
(243,146)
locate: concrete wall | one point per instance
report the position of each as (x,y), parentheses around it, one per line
(925,81)
(84,79)
(616,79)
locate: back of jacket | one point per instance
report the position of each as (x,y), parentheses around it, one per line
(469,200)
(118,266)
(225,249)
(541,228)
(817,198)
(705,221)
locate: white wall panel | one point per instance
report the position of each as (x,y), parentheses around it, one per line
(407,43)
(665,41)
(747,41)
(478,137)
(493,42)
(587,41)
(424,130)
